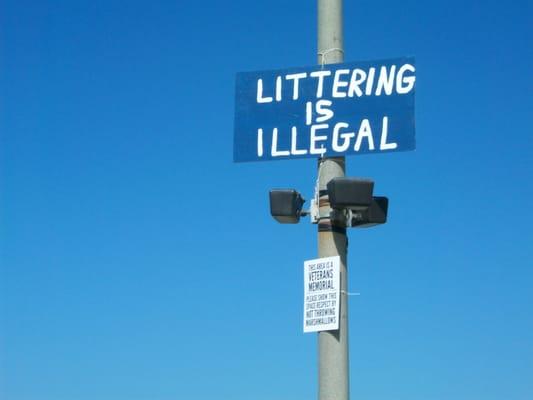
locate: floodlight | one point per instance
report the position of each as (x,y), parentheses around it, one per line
(350,193)
(373,215)
(286,205)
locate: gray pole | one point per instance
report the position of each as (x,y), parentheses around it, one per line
(333,378)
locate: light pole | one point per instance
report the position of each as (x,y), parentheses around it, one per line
(339,203)
(333,360)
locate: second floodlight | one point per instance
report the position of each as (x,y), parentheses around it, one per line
(376,214)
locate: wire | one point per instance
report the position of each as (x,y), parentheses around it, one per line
(350,293)
(324,53)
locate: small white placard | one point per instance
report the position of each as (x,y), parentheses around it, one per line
(321,294)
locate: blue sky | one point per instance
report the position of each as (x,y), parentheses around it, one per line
(137,261)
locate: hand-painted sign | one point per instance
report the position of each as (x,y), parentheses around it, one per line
(329,110)
(321,294)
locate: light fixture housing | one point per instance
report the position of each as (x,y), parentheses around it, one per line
(350,193)
(286,205)
(375,214)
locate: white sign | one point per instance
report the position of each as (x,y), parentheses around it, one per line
(321,294)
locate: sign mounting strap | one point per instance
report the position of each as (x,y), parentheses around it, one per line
(324,53)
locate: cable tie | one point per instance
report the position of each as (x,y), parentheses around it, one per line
(324,53)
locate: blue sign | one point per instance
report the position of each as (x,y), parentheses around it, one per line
(330,110)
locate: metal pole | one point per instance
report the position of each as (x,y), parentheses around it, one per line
(333,378)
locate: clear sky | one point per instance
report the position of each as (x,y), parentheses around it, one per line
(138,262)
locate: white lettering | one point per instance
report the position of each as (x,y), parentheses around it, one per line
(296,78)
(404,84)
(370,81)
(337,83)
(358,77)
(320,84)
(294,149)
(385,82)
(308,113)
(278,88)
(322,110)
(260,142)
(364,131)
(383,145)
(346,136)
(260,98)
(275,151)
(315,138)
